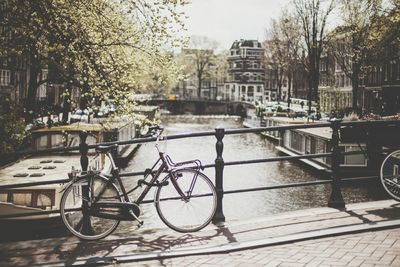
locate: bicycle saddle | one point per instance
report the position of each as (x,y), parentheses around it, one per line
(105,149)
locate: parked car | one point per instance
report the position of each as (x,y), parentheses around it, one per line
(79,115)
(300,113)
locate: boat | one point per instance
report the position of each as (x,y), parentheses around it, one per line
(19,202)
(295,142)
(254,118)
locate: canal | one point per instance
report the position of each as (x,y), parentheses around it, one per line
(243,147)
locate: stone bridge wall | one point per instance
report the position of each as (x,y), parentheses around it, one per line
(198,107)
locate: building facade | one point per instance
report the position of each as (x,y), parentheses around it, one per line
(335,87)
(246,77)
(380,89)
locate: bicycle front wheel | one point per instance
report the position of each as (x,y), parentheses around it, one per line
(390,176)
(192,212)
(75,208)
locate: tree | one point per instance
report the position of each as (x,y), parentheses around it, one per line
(295,59)
(276,55)
(283,50)
(352,42)
(313,15)
(99,46)
(201,54)
(12,130)
(221,70)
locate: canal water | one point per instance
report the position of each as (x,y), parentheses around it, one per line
(243,147)
(240,206)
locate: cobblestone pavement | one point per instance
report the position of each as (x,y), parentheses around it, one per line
(381,248)
(365,234)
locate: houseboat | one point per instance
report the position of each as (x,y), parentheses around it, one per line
(17,203)
(254,118)
(295,142)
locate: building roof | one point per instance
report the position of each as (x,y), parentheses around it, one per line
(246,43)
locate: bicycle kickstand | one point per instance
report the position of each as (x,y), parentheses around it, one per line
(136,218)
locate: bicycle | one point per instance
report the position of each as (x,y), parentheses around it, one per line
(390,176)
(93,204)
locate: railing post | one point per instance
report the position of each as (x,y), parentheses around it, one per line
(83,149)
(336,198)
(219,217)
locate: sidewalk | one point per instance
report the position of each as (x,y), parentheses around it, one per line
(364,234)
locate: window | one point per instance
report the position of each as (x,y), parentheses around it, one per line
(57,140)
(43,200)
(321,146)
(258,89)
(250,91)
(24,199)
(310,145)
(41,142)
(355,159)
(297,141)
(3,197)
(4,77)
(32,198)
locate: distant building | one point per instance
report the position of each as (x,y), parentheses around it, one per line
(380,90)
(188,87)
(299,82)
(15,69)
(276,80)
(14,74)
(335,87)
(245,72)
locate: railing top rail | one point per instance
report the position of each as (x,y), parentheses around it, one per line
(212,133)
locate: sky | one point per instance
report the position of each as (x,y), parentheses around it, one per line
(228,20)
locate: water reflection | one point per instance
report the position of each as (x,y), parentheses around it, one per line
(244,147)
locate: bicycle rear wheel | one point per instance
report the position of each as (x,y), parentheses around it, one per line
(193,213)
(75,208)
(390,175)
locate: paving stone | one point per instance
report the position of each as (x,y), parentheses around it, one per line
(355,262)
(379,247)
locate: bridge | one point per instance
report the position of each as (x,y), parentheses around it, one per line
(202,106)
(340,232)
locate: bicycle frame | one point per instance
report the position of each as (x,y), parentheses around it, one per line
(166,166)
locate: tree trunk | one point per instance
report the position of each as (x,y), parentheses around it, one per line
(199,86)
(289,89)
(84,98)
(310,91)
(354,84)
(34,70)
(66,106)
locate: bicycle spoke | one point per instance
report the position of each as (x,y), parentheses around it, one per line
(76,213)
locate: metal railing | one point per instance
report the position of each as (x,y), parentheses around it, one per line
(335,199)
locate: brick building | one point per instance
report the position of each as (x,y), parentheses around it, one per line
(246,74)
